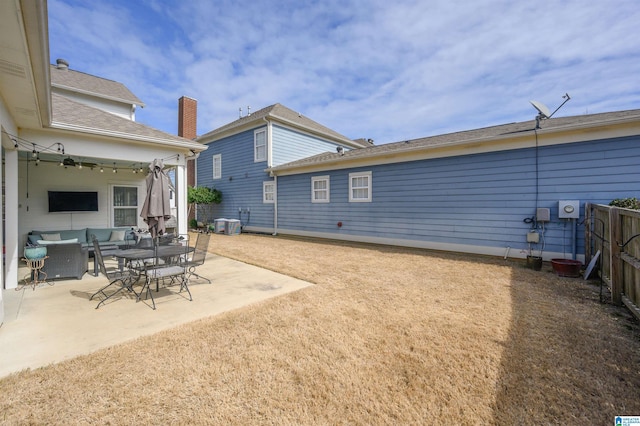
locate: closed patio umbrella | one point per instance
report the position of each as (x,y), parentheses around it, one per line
(156,209)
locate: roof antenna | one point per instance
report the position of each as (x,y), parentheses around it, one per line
(543,111)
(240,112)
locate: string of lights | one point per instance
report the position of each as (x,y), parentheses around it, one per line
(68,161)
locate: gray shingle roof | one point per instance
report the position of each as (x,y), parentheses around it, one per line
(460,138)
(279,112)
(86,83)
(80,117)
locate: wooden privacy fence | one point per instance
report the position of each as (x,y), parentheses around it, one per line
(615,232)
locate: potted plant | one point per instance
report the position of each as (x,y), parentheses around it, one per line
(35,252)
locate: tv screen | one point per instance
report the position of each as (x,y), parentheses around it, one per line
(73,201)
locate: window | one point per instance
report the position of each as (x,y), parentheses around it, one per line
(360,187)
(260,145)
(125,206)
(217,166)
(320,189)
(268,192)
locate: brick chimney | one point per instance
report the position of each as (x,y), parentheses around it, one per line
(187,117)
(187,128)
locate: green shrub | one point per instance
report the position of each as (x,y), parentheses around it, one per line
(626,203)
(193,223)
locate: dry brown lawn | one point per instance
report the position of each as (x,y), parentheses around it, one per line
(387,336)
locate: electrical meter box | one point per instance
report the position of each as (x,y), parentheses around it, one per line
(569,209)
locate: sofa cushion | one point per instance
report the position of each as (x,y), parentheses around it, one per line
(67,234)
(51,242)
(101,234)
(104,234)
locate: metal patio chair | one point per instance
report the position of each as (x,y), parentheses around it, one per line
(198,256)
(165,267)
(122,279)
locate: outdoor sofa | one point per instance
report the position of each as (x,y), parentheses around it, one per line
(106,237)
(68,250)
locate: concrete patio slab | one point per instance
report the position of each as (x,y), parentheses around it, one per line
(57,322)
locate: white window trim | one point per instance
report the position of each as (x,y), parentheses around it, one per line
(113,207)
(369,187)
(213,166)
(264,191)
(266,143)
(315,179)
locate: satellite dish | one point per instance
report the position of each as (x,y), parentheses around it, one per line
(542,109)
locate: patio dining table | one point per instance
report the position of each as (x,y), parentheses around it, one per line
(129,256)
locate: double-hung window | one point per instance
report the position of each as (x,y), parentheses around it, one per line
(260,145)
(268,192)
(320,189)
(125,206)
(360,187)
(217,166)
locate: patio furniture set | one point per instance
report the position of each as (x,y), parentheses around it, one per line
(69,250)
(167,260)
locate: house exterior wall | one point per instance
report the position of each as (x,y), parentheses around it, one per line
(472,203)
(242,179)
(291,145)
(118,108)
(240,182)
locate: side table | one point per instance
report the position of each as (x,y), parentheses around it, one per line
(35,269)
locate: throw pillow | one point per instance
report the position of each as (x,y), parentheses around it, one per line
(51,237)
(117,236)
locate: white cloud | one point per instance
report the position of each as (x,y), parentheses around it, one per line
(384,70)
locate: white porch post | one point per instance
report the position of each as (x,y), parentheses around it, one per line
(181,199)
(12,210)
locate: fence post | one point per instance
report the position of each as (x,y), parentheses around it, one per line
(615,239)
(588,213)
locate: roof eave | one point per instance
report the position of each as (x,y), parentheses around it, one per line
(258,120)
(188,145)
(100,95)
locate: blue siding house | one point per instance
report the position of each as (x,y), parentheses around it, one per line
(495,191)
(240,153)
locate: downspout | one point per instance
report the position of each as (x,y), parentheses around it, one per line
(275,205)
(275,177)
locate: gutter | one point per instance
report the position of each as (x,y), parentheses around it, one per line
(195,146)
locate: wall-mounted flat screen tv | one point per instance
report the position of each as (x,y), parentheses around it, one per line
(73,201)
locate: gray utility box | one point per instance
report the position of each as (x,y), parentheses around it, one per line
(569,209)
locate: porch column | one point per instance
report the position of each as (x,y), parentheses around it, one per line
(181,199)
(11,238)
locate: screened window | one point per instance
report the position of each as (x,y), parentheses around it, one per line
(360,187)
(217,166)
(125,206)
(260,145)
(268,192)
(320,189)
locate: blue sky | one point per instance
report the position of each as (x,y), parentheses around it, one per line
(388,71)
